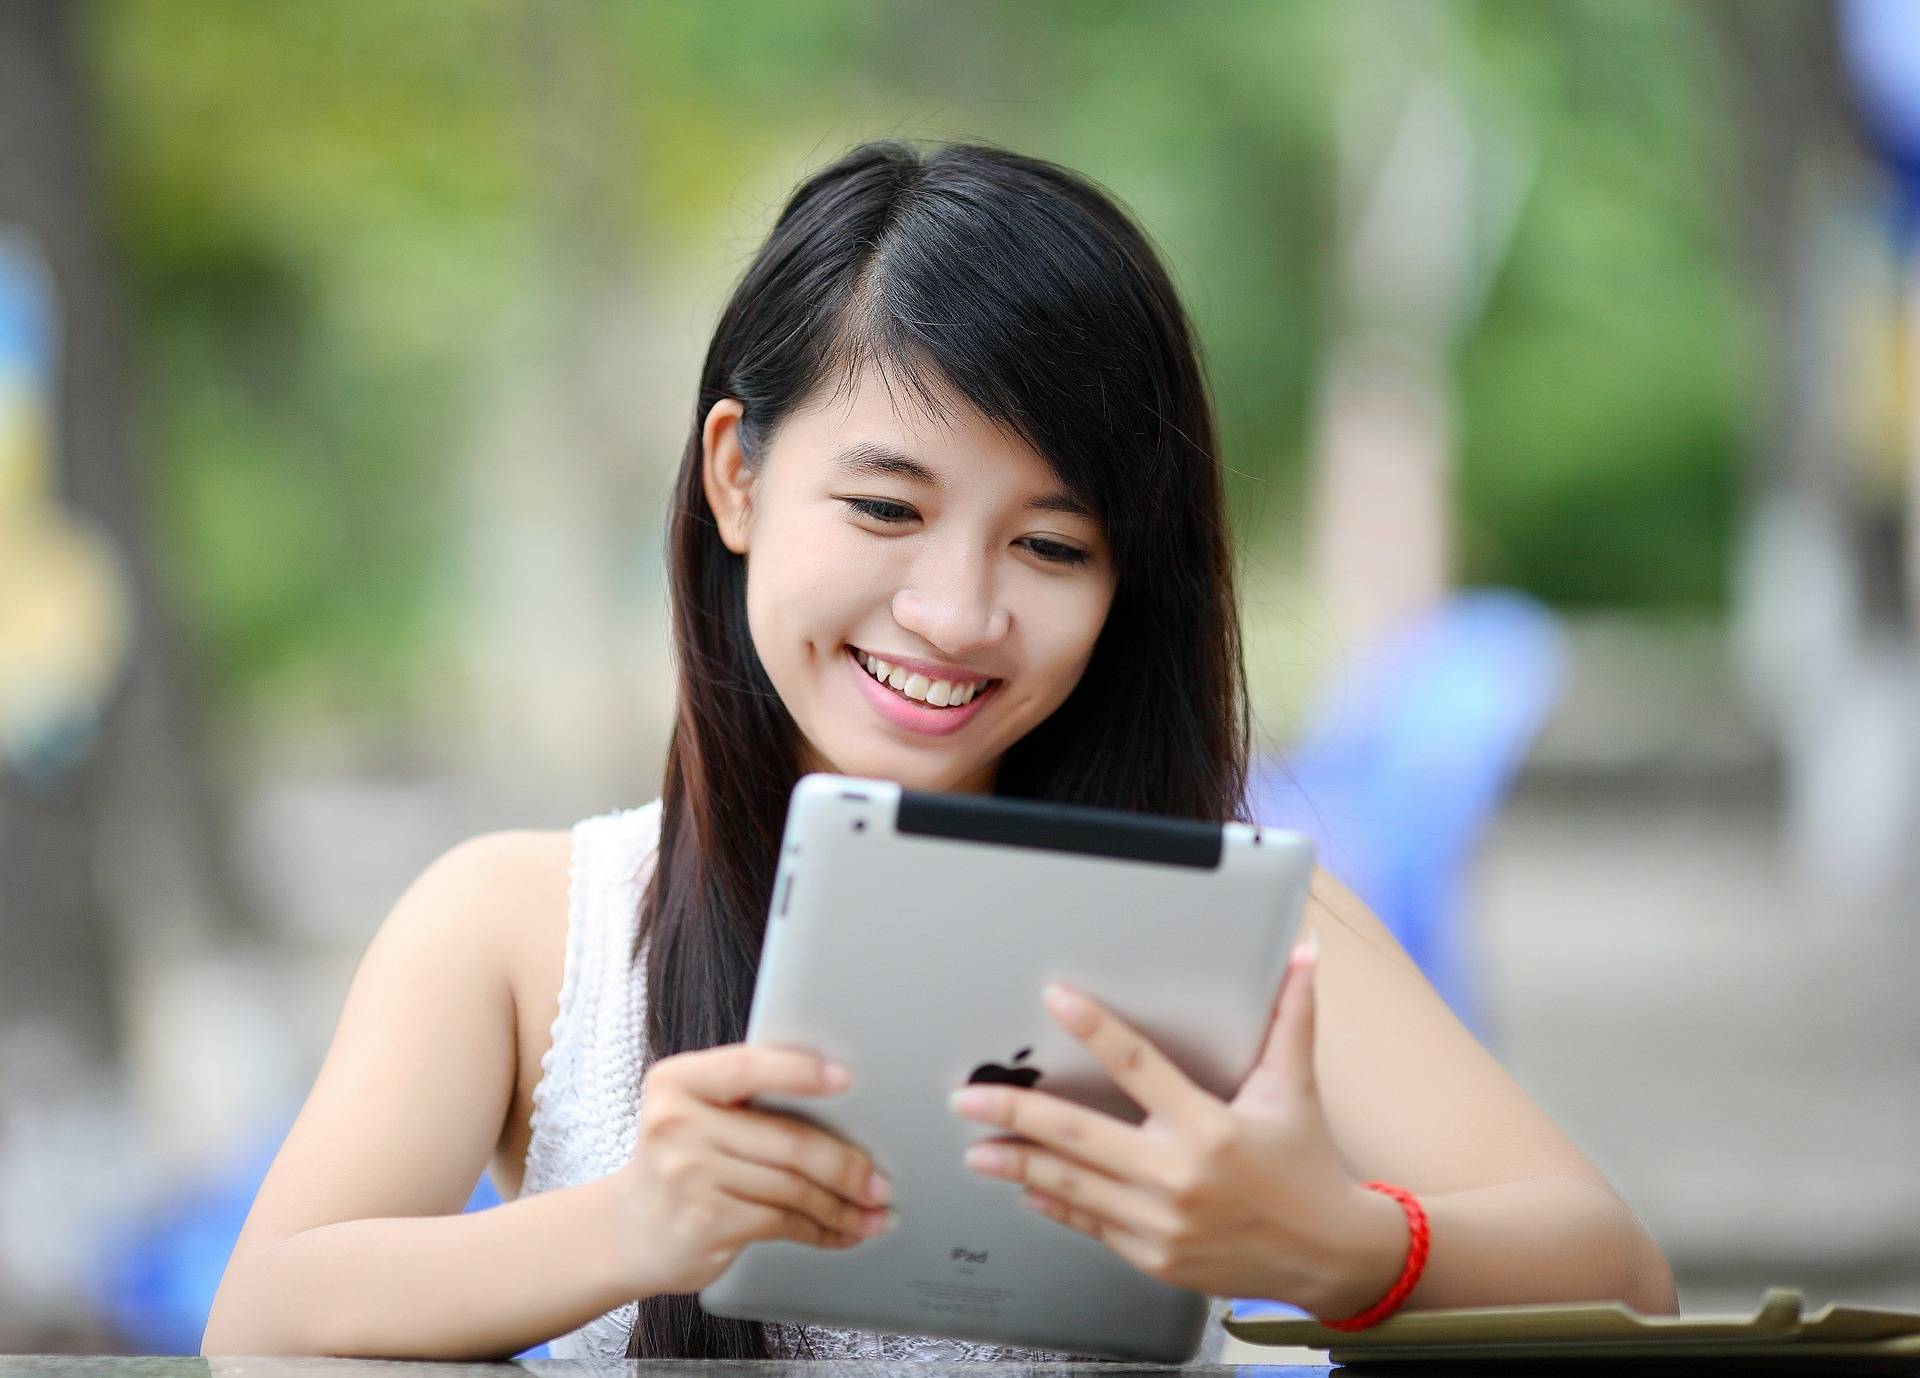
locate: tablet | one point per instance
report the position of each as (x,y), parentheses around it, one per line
(909,936)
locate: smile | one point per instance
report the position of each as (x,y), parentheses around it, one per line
(914,701)
(939,693)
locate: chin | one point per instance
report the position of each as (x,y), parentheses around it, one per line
(928,776)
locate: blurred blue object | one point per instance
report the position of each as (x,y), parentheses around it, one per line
(1405,760)
(1260,1309)
(1880,53)
(27,320)
(159,1276)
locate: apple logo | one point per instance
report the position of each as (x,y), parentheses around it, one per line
(1010,1076)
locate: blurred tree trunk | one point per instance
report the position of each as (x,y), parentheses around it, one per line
(565,708)
(1383,464)
(1821,609)
(118,857)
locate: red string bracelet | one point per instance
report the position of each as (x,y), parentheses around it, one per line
(1418,1238)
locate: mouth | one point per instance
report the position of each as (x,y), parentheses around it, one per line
(915,711)
(917,688)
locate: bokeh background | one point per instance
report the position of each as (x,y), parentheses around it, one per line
(1565,354)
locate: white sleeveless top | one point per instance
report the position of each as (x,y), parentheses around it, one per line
(586,1107)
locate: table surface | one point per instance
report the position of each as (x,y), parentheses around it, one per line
(182,1366)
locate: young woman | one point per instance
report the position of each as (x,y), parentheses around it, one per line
(952,434)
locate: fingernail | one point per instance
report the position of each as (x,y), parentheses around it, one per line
(970,1100)
(879,1190)
(988,1158)
(1307,949)
(879,1223)
(1067,1007)
(837,1076)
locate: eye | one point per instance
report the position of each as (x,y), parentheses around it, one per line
(1056,553)
(895,514)
(880,509)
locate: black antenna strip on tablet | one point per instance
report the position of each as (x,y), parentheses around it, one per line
(1062,828)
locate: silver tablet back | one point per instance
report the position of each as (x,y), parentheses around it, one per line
(909,936)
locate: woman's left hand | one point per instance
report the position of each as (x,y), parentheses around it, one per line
(1241,1198)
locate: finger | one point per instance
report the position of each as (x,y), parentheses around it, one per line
(1113,1146)
(1080,1187)
(773,1186)
(1297,1002)
(1293,1025)
(729,1074)
(1286,1058)
(1145,1073)
(1134,1248)
(782,1141)
(758,1220)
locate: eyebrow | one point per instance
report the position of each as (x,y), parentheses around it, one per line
(870,459)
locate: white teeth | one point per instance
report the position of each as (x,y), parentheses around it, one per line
(940,693)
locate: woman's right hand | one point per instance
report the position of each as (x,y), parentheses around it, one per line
(710,1174)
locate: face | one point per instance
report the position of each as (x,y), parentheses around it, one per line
(961,568)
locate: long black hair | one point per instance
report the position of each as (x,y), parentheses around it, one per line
(1019,286)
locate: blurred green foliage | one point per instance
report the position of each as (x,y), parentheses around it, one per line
(331,217)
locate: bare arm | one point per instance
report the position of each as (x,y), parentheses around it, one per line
(355,1244)
(484,1285)
(1518,1213)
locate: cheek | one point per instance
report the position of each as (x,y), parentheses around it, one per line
(1074,617)
(776,598)
(805,590)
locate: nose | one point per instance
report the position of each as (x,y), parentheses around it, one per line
(950,599)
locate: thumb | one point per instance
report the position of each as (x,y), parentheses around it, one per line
(1285,1064)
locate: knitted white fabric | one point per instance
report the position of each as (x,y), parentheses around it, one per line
(586,1107)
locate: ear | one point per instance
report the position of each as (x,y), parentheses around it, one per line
(724,473)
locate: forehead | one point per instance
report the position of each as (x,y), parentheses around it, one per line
(862,422)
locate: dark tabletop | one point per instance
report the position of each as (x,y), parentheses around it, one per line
(177,1366)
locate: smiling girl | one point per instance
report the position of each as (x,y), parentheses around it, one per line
(950,513)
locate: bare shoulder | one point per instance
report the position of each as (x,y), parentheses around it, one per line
(1349,930)
(491,879)
(420,1074)
(501,898)
(515,863)
(517,879)
(514,858)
